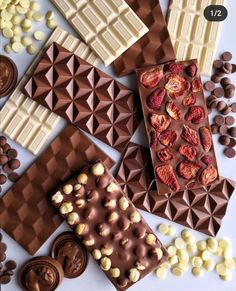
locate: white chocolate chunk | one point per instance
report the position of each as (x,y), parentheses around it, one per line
(50,15)
(17,47)
(177,271)
(209,265)
(39,35)
(37,16)
(163,228)
(179,243)
(161,273)
(26,41)
(51,24)
(7,32)
(197,272)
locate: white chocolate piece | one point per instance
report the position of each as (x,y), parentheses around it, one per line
(173,260)
(202,245)
(51,23)
(8,48)
(196,261)
(35,6)
(172,251)
(228,277)
(37,16)
(209,265)
(32,49)
(39,35)
(171,230)
(161,273)
(197,272)
(221,269)
(7,32)
(206,255)
(50,15)
(163,228)
(24,3)
(177,271)
(230,264)
(16,19)
(212,245)
(179,243)
(191,248)
(26,41)
(17,47)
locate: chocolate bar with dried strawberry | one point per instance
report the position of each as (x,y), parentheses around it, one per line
(177,126)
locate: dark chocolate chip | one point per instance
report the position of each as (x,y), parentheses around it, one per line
(2,257)
(232,143)
(13,177)
(3,159)
(5,279)
(209,86)
(229,93)
(3,247)
(227,68)
(10,265)
(3,179)
(214,128)
(225,81)
(213,104)
(7,169)
(219,92)
(226,56)
(219,120)
(232,131)
(229,152)
(226,110)
(3,140)
(223,129)
(217,64)
(233,107)
(6,147)
(221,105)
(8,272)
(233,68)
(224,140)
(216,78)
(14,164)
(12,154)
(229,120)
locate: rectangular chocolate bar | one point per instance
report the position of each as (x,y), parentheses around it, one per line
(154,47)
(25,212)
(85,96)
(201,209)
(192,35)
(109,225)
(25,121)
(108,27)
(177,125)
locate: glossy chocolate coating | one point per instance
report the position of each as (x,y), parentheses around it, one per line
(8,76)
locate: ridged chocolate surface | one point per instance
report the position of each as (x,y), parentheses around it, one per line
(110,227)
(25,212)
(154,47)
(201,209)
(85,96)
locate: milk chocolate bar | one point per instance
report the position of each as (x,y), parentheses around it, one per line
(85,96)
(177,125)
(25,212)
(109,225)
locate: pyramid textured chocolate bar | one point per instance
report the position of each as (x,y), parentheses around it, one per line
(27,122)
(107,223)
(177,126)
(201,209)
(154,47)
(25,212)
(109,27)
(85,96)
(192,35)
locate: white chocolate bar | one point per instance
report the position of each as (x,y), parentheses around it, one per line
(24,120)
(109,27)
(193,37)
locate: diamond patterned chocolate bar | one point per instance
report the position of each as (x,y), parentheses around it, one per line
(109,27)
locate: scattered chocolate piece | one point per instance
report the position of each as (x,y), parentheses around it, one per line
(227,68)
(229,92)
(229,120)
(229,152)
(226,56)
(70,253)
(224,140)
(233,68)
(214,128)
(219,120)
(225,81)
(219,92)
(217,64)
(232,131)
(226,110)
(233,107)
(3,179)
(221,106)
(223,129)
(209,86)
(232,142)
(13,177)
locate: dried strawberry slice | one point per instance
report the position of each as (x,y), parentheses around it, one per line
(190,99)
(196,114)
(174,68)
(196,85)
(190,135)
(156,98)
(165,155)
(167,176)
(159,122)
(173,110)
(187,169)
(151,78)
(208,175)
(188,151)
(205,137)
(168,138)
(207,160)
(176,86)
(191,70)
(153,138)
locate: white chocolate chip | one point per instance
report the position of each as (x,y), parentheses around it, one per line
(134,275)
(8,48)
(32,49)
(179,243)
(68,189)
(37,16)
(197,261)
(172,251)
(115,272)
(97,254)
(177,271)
(82,179)
(161,273)
(50,15)
(80,203)
(98,169)
(209,265)
(73,218)
(212,245)
(58,197)
(51,24)
(66,207)
(163,228)
(105,264)
(39,35)
(202,245)
(150,239)
(171,231)
(123,203)
(197,272)
(80,229)
(135,217)
(26,41)
(230,264)
(7,32)
(112,187)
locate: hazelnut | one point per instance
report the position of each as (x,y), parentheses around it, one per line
(123,203)
(112,187)
(73,218)
(57,198)
(139,231)
(113,217)
(66,207)
(135,217)
(106,251)
(80,229)
(97,254)
(98,169)
(77,187)
(80,203)
(88,242)
(115,272)
(89,213)
(105,264)
(109,203)
(68,189)
(134,275)
(79,190)
(103,230)
(140,251)
(140,266)
(103,181)
(150,239)
(116,236)
(158,252)
(124,223)
(82,179)
(125,243)
(92,196)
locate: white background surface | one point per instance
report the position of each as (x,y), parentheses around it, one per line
(93,279)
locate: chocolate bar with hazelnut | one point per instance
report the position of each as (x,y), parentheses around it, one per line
(177,126)
(109,225)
